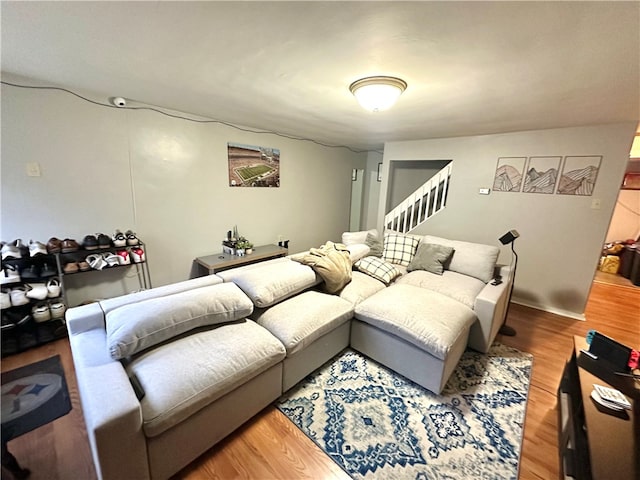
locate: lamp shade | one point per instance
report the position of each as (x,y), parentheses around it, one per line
(377,93)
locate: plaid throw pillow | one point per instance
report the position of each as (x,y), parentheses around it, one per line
(377,268)
(399,248)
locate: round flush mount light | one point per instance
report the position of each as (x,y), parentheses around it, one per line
(377,93)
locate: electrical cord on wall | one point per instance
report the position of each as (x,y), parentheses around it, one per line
(195,120)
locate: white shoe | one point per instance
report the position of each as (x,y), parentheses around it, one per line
(137,255)
(37,248)
(118,239)
(123,257)
(41,313)
(9,275)
(53,288)
(57,309)
(37,291)
(131,238)
(10,251)
(111,259)
(96,261)
(5,299)
(18,296)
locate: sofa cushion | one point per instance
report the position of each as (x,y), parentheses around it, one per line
(399,248)
(184,376)
(351,238)
(429,320)
(301,320)
(375,244)
(430,257)
(111,304)
(377,268)
(457,286)
(360,287)
(473,259)
(137,326)
(358,251)
(273,283)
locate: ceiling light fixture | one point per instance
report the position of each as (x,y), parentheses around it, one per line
(377,93)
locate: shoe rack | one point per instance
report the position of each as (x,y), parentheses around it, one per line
(29,322)
(65,263)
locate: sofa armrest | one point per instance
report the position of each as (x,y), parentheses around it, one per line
(83,318)
(112,413)
(490,307)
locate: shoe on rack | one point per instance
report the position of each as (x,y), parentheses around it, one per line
(111,259)
(118,239)
(123,257)
(9,275)
(45,332)
(83,266)
(32,272)
(18,296)
(41,313)
(10,251)
(36,291)
(5,299)
(137,255)
(96,261)
(54,245)
(103,240)
(70,267)
(37,248)
(57,310)
(22,248)
(69,245)
(90,242)
(53,288)
(47,271)
(131,238)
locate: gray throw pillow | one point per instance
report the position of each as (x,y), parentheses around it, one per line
(374,244)
(430,257)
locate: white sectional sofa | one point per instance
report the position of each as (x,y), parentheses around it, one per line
(211,352)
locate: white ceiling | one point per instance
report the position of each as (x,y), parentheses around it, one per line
(472,67)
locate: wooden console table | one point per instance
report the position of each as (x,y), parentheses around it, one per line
(224,261)
(596,443)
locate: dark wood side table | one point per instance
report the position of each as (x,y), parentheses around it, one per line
(224,261)
(596,443)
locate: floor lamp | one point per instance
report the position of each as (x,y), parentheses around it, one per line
(506,239)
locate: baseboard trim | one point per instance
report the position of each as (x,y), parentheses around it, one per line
(556,311)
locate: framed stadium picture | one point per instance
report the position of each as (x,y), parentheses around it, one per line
(251,166)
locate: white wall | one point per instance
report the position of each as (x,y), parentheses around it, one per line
(165,178)
(371,191)
(561,235)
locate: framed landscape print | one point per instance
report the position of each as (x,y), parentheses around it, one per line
(579,175)
(508,177)
(542,174)
(251,166)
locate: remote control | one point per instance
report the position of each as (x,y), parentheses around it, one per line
(612,395)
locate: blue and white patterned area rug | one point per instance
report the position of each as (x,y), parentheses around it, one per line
(377,424)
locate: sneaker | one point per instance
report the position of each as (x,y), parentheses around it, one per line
(53,288)
(69,245)
(90,243)
(96,261)
(41,313)
(137,255)
(131,238)
(118,239)
(54,245)
(32,272)
(5,299)
(18,296)
(47,271)
(57,310)
(70,267)
(22,248)
(123,257)
(111,259)
(103,241)
(10,251)
(37,248)
(37,291)
(9,275)
(45,332)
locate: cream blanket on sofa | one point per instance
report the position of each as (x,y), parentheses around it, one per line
(331,261)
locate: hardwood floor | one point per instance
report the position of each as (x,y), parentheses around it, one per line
(269,446)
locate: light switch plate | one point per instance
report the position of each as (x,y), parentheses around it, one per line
(33,169)
(484,191)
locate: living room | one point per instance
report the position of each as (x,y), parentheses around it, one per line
(105,168)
